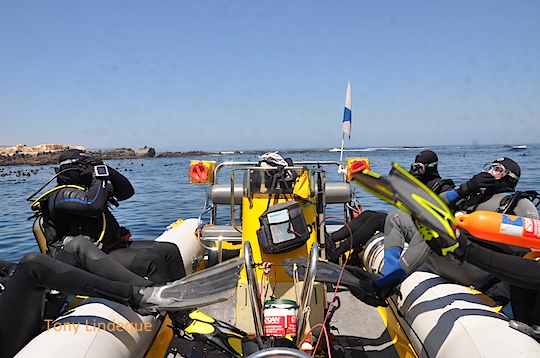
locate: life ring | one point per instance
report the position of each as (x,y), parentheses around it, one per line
(198,172)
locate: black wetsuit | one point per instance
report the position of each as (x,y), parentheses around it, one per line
(362,227)
(23,288)
(80,213)
(399,229)
(522,274)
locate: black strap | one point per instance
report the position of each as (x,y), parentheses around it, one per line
(509,202)
(533,196)
(470,204)
(441,184)
(279,178)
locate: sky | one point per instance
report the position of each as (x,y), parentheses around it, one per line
(218,75)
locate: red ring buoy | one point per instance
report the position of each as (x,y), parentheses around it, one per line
(198,172)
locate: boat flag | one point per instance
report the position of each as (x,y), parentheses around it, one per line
(347,114)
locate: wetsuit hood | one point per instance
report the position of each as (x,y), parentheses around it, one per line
(430,160)
(507,183)
(510,165)
(70,173)
(426,157)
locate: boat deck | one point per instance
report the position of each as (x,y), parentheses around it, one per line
(360,329)
(357,327)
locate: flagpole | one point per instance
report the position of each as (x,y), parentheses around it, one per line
(341,154)
(346,126)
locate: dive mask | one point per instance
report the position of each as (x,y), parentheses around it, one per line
(498,171)
(420,168)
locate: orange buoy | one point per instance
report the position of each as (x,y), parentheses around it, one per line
(198,172)
(506,229)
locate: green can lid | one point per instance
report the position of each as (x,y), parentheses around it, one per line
(280,302)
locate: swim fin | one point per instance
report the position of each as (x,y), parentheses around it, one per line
(222,336)
(434,220)
(211,285)
(432,217)
(329,272)
(375,184)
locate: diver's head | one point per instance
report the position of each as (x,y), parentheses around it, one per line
(505,171)
(70,168)
(425,164)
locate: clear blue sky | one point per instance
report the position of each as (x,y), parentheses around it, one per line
(268,74)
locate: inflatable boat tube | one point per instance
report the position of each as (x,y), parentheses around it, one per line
(182,233)
(444,319)
(101,328)
(95,328)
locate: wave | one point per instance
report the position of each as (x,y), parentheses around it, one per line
(376,149)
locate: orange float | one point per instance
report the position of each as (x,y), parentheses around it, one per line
(503,228)
(358,166)
(198,172)
(355,165)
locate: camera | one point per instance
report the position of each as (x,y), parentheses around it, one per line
(101,171)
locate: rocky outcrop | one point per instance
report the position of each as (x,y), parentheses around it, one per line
(36,150)
(146,152)
(47,154)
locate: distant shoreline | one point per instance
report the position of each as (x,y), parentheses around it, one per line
(50,158)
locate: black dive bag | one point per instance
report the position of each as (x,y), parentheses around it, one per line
(283,228)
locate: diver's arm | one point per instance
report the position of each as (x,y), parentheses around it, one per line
(79,202)
(450,196)
(472,186)
(515,270)
(122,188)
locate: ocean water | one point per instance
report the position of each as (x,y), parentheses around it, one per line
(164,194)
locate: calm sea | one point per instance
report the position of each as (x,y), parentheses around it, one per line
(164,194)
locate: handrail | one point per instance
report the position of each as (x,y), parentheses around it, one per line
(236,226)
(253,288)
(307,290)
(251,166)
(255,165)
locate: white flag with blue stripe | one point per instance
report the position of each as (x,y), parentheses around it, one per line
(347,115)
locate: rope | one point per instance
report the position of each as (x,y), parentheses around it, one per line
(324,324)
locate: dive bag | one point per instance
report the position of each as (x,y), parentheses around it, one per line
(283,228)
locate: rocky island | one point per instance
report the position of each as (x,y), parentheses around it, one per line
(47,154)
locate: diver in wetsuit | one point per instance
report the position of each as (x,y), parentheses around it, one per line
(23,288)
(499,180)
(494,190)
(89,237)
(399,228)
(488,191)
(83,223)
